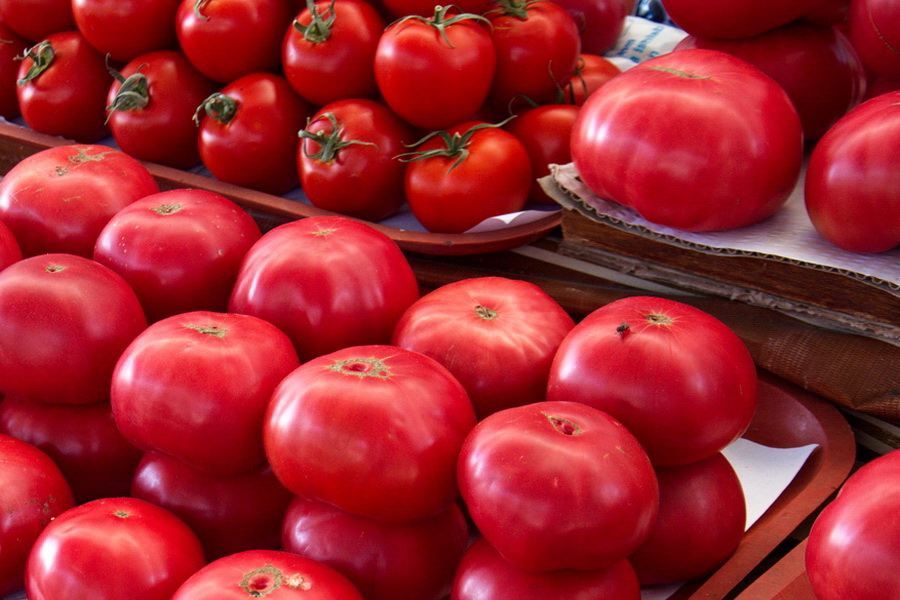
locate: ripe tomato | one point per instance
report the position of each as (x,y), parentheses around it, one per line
(151,105)
(678,378)
(373,430)
(227,39)
(385,561)
(743,18)
(435,72)
(401,8)
(180,250)
(328,53)
(125,30)
(62,88)
(82,440)
(33,493)
(497,336)
(457,178)
(229,514)
(60,198)
(852,179)
(347,159)
(599,21)
(12,46)
(591,72)
(112,548)
(645,123)
(9,247)
(558,485)
(328,282)
(875,33)
(258,573)
(485,575)
(207,407)
(66,319)
(34,20)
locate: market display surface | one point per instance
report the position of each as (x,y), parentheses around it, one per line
(243,354)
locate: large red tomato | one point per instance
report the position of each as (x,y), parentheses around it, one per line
(678,378)
(33,493)
(745,18)
(66,319)
(258,573)
(180,250)
(60,198)
(386,561)
(852,178)
(373,430)
(82,440)
(112,548)
(875,33)
(496,335)
(558,485)
(126,30)
(328,282)
(196,386)
(852,549)
(659,123)
(12,45)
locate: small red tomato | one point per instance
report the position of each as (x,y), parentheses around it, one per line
(126,31)
(592,72)
(34,20)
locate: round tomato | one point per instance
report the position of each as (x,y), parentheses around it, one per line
(678,378)
(385,561)
(875,33)
(742,18)
(205,408)
(62,88)
(33,493)
(645,123)
(328,53)
(852,179)
(180,250)
(558,485)
(66,319)
(600,22)
(112,548)
(485,575)
(34,20)
(328,282)
(9,247)
(258,573)
(435,72)
(229,514)
(457,178)
(60,198)
(496,335)
(82,440)
(12,47)
(372,430)
(151,105)
(125,30)
(347,159)
(591,72)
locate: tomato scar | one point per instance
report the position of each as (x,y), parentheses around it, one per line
(361,367)
(563,425)
(261,582)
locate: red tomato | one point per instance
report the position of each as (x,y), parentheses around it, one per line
(66,319)
(9,247)
(258,573)
(401,8)
(852,549)
(701,521)
(112,548)
(678,378)
(151,106)
(207,407)
(348,159)
(372,430)
(328,53)
(385,561)
(875,33)
(12,46)
(125,30)
(558,485)
(62,88)
(34,20)
(599,21)
(435,72)
(852,178)
(591,72)
(180,250)
(328,282)
(815,64)
(745,18)
(645,123)
(60,198)
(457,178)
(485,575)
(33,493)
(497,336)
(82,440)
(227,39)
(229,514)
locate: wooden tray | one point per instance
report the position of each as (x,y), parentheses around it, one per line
(786,580)
(17,142)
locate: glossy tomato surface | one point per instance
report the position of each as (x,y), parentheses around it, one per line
(126,30)
(34,20)
(874,28)
(373,430)
(744,18)
(678,378)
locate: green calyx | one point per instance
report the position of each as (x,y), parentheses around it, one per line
(41,56)
(134,92)
(441,21)
(217,106)
(198,4)
(512,8)
(319,29)
(330,142)
(456,145)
